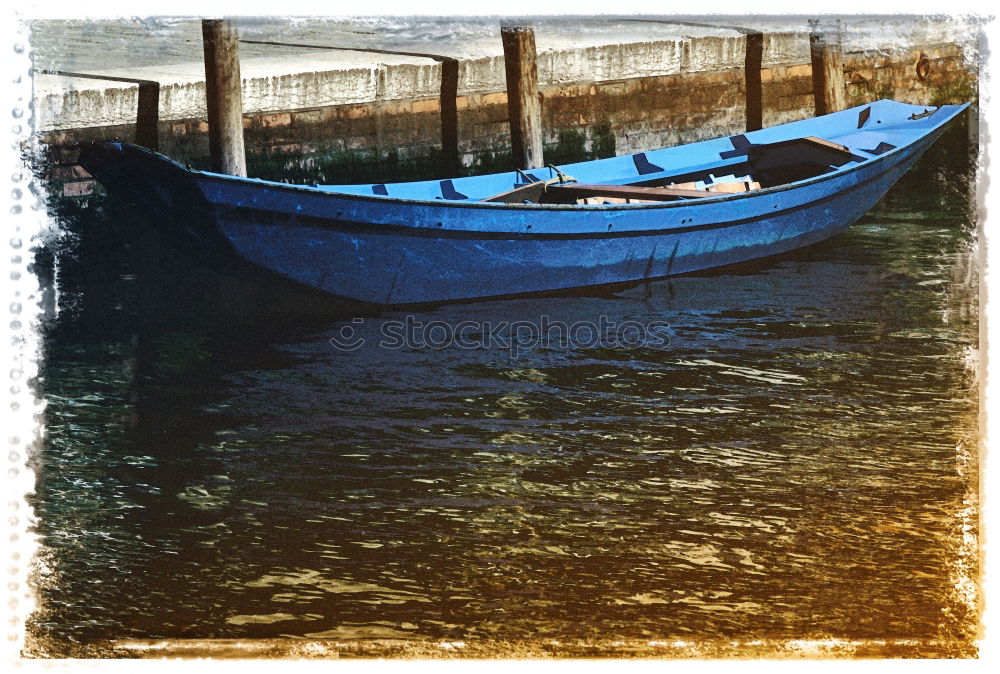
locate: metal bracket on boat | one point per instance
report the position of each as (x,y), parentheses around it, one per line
(562,177)
(925,113)
(528,179)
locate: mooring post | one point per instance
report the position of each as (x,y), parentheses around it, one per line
(223,90)
(523,104)
(752,64)
(147,120)
(449,118)
(827,55)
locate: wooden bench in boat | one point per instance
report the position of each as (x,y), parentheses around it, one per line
(583,190)
(534,191)
(658,194)
(619,193)
(727,186)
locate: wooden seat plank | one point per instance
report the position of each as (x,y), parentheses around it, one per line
(529,192)
(577,190)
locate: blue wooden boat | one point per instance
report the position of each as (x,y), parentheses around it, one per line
(609,221)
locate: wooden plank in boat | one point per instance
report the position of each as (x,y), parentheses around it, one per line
(828,144)
(797,151)
(733,187)
(727,187)
(577,190)
(620,194)
(529,192)
(600,201)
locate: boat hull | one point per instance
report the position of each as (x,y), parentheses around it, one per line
(397,265)
(415,243)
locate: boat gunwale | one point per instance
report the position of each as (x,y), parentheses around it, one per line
(597,208)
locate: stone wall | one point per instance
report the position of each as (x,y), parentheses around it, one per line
(383,123)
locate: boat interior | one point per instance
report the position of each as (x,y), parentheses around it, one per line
(764,166)
(775,156)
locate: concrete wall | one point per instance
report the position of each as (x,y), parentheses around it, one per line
(349,120)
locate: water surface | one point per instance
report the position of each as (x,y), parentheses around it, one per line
(796,462)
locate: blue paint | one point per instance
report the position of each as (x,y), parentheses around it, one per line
(412,246)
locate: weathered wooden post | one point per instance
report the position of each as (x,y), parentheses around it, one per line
(449,118)
(827,52)
(223,91)
(751,74)
(147,120)
(523,104)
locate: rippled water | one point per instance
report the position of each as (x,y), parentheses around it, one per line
(795,463)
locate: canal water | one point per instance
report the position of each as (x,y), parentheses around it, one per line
(782,450)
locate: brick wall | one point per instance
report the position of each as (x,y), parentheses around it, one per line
(875,75)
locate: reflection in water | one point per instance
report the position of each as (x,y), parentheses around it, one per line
(786,467)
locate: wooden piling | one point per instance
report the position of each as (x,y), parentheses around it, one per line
(827,55)
(754,94)
(223,90)
(147,121)
(449,118)
(523,103)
